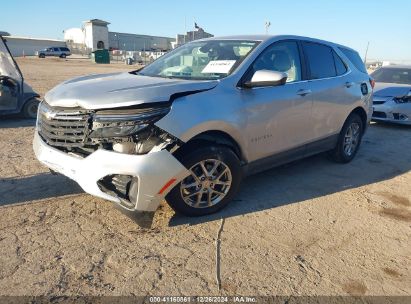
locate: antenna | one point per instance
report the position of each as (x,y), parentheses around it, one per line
(366,52)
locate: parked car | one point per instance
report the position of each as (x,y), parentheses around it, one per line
(191,125)
(61,52)
(392,97)
(16,96)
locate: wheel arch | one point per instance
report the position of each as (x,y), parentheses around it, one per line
(363,115)
(214,137)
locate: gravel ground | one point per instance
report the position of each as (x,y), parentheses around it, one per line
(309,228)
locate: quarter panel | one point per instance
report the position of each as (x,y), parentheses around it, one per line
(333,101)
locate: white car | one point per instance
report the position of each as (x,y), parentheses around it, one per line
(392,94)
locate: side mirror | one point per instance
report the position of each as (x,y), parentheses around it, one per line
(266,78)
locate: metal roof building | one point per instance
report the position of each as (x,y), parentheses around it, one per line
(95,35)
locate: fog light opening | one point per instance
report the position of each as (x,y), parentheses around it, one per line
(124,187)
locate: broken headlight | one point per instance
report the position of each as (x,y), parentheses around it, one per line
(403,99)
(123,123)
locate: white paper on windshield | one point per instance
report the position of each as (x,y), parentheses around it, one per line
(218,66)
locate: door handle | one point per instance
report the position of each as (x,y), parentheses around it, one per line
(304,92)
(349,84)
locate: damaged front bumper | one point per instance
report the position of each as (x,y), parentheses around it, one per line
(136,182)
(391,111)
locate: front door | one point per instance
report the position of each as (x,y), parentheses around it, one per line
(279,117)
(10,79)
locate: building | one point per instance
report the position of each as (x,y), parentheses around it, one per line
(196,34)
(95,35)
(135,42)
(24,46)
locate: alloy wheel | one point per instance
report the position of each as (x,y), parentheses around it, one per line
(351,138)
(207,185)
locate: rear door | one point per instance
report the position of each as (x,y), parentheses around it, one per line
(333,91)
(56,52)
(11,79)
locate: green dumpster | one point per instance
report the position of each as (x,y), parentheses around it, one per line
(100,56)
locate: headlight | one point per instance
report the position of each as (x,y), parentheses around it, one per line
(403,99)
(122,123)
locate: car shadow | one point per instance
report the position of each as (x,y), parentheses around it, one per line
(15,121)
(40,186)
(317,176)
(386,124)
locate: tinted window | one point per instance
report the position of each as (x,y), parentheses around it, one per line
(281,57)
(320,60)
(64,49)
(56,49)
(355,59)
(339,65)
(392,75)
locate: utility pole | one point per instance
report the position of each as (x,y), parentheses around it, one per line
(267,25)
(144,52)
(185,29)
(366,52)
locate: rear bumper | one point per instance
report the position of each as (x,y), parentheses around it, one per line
(151,171)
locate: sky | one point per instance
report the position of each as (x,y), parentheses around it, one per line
(384,24)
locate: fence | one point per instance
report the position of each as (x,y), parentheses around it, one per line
(138,57)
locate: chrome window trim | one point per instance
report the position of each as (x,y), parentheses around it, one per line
(348,72)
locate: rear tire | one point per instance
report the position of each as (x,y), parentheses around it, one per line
(63,56)
(30,108)
(214,181)
(349,140)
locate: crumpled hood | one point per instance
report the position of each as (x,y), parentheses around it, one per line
(119,90)
(384,89)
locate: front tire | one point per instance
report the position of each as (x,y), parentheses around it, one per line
(30,108)
(349,139)
(215,179)
(63,56)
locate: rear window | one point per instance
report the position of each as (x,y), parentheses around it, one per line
(339,65)
(64,49)
(355,59)
(320,60)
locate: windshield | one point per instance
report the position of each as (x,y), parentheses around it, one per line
(7,65)
(202,60)
(393,75)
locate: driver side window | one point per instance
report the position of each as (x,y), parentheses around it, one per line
(282,57)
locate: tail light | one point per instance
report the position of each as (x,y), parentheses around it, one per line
(372,83)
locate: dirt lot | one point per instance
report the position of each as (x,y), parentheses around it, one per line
(309,228)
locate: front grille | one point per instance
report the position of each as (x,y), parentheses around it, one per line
(63,127)
(379,114)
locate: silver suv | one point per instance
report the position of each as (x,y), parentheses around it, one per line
(61,52)
(190,126)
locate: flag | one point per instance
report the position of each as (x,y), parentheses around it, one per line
(196,26)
